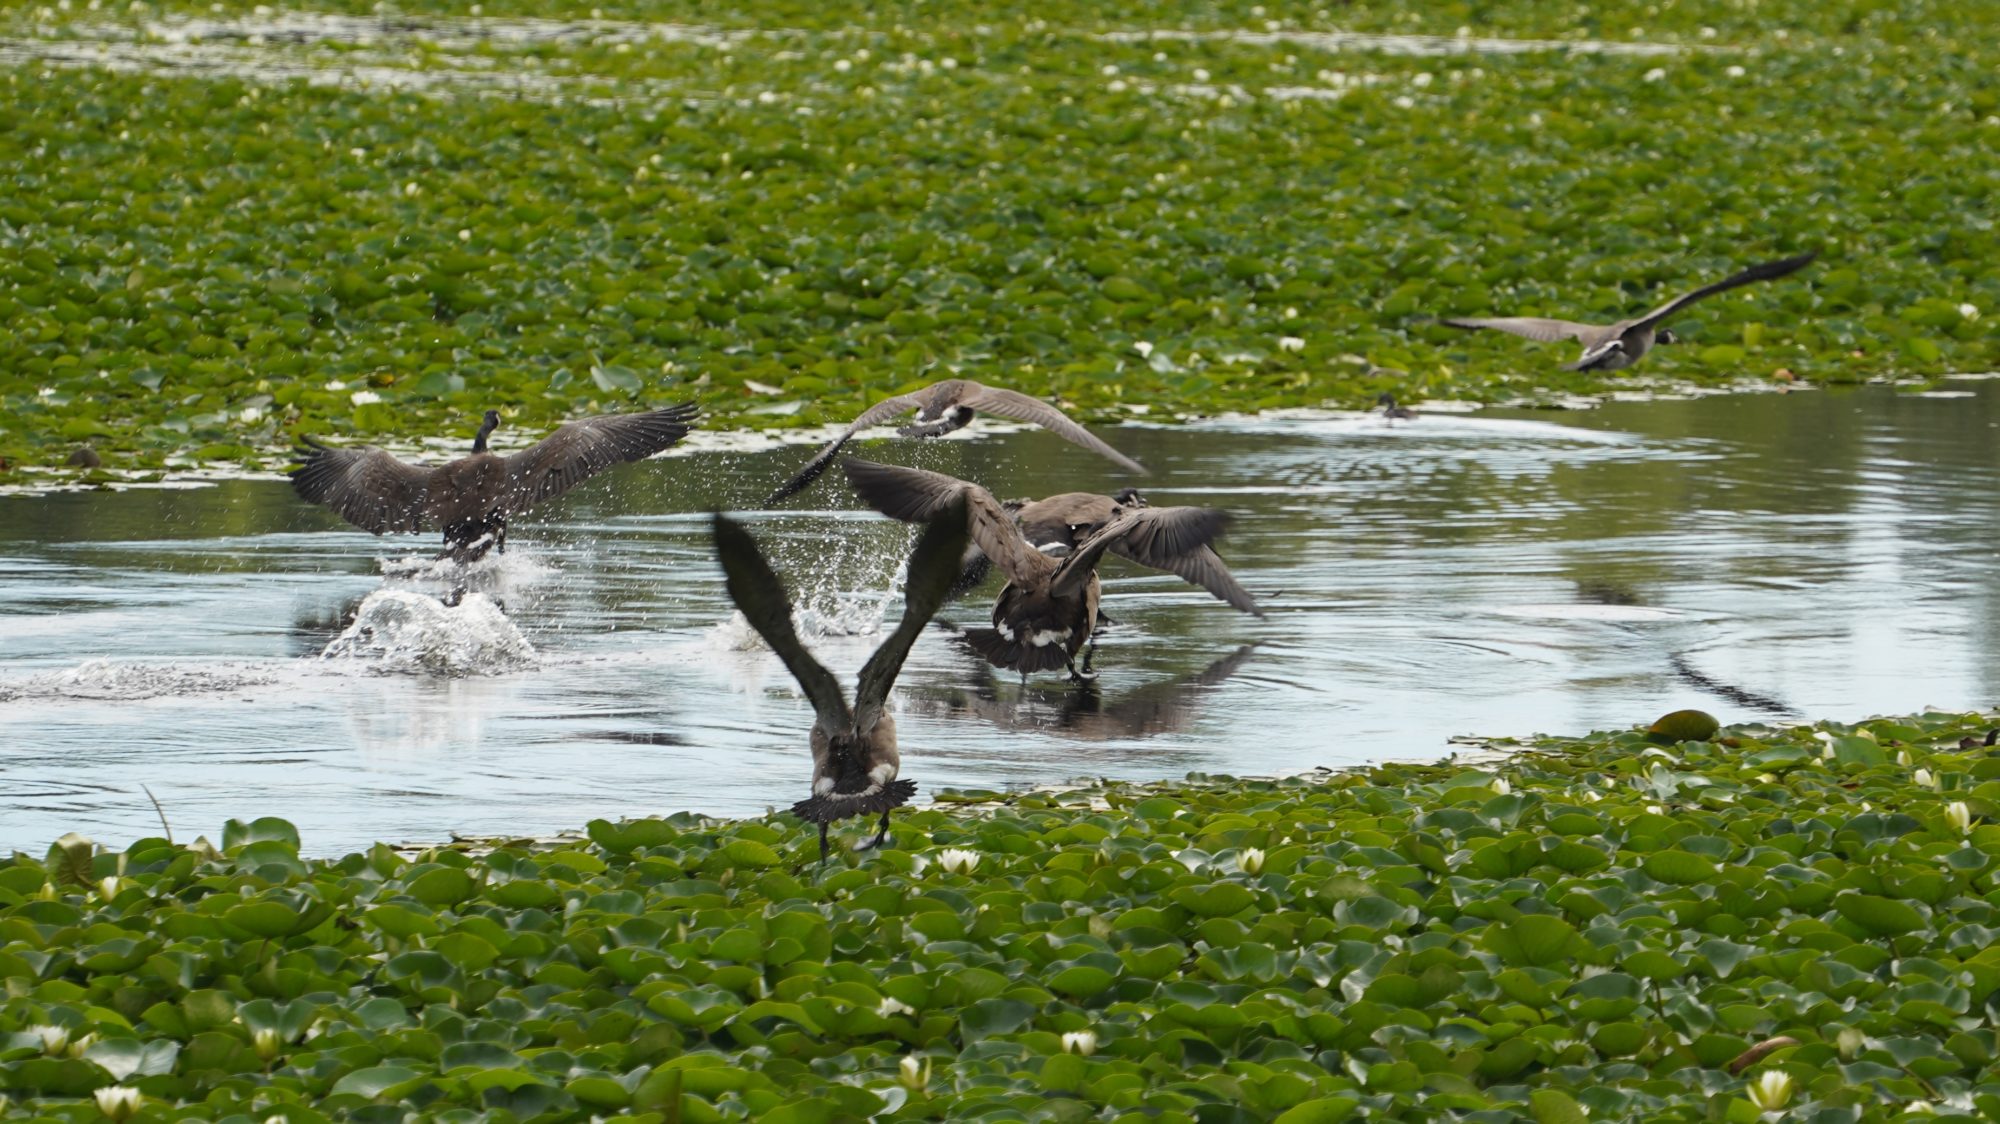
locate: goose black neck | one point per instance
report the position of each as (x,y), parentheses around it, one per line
(486,427)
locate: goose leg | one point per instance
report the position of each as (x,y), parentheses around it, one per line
(881,834)
(822,846)
(1083,676)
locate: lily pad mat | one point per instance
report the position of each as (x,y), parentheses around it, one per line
(219,231)
(1594,930)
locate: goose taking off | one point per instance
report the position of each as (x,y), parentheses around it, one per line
(949,405)
(470,499)
(1614,346)
(854,751)
(1048,608)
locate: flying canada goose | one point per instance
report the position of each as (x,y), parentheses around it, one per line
(1390,410)
(1615,346)
(949,405)
(854,751)
(1048,608)
(471,498)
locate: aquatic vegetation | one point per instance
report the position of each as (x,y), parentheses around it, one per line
(1604,928)
(224,226)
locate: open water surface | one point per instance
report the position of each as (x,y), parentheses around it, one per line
(1825,554)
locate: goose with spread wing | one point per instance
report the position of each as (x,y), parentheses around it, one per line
(949,405)
(470,499)
(855,759)
(1610,347)
(1049,606)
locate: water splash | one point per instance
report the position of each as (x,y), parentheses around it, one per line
(410,632)
(107,680)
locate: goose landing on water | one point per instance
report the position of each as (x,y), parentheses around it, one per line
(470,499)
(1049,606)
(855,760)
(949,405)
(1614,346)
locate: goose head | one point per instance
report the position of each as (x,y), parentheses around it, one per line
(1129,497)
(487,425)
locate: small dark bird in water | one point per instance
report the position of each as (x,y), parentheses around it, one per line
(86,457)
(855,760)
(1049,606)
(1969,742)
(1614,346)
(949,405)
(1390,410)
(470,499)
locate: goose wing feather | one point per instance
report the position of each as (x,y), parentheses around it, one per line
(581,449)
(934,566)
(1539,328)
(1021,407)
(915,495)
(1765,271)
(874,415)
(755,588)
(368,487)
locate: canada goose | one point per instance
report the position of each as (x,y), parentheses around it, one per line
(471,498)
(1391,410)
(854,751)
(948,405)
(1614,346)
(1048,608)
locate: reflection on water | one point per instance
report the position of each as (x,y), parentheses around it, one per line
(1824,554)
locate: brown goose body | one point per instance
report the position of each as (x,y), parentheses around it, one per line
(1611,347)
(1049,606)
(855,758)
(470,499)
(949,405)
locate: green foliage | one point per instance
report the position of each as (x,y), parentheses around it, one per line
(200,264)
(1588,929)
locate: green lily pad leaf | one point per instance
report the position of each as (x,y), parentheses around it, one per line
(378,1081)
(1885,916)
(266,829)
(1222,899)
(1320,1110)
(442,886)
(1685,726)
(1535,939)
(1553,1106)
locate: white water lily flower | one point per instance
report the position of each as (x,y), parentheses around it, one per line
(251,414)
(1969,311)
(913,1074)
(1850,1041)
(412,190)
(266,1042)
(55,1039)
(1771,1091)
(1144,349)
(365,397)
(1903,757)
(118,1102)
(1251,861)
(892,1006)
(1500,786)
(1655,74)
(1406,103)
(1959,816)
(842,66)
(1291,343)
(1735,72)
(1080,1042)
(1924,779)
(955,861)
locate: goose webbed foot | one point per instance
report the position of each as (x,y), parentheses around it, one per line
(1084,674)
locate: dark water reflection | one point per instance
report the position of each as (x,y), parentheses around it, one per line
(1823,554)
